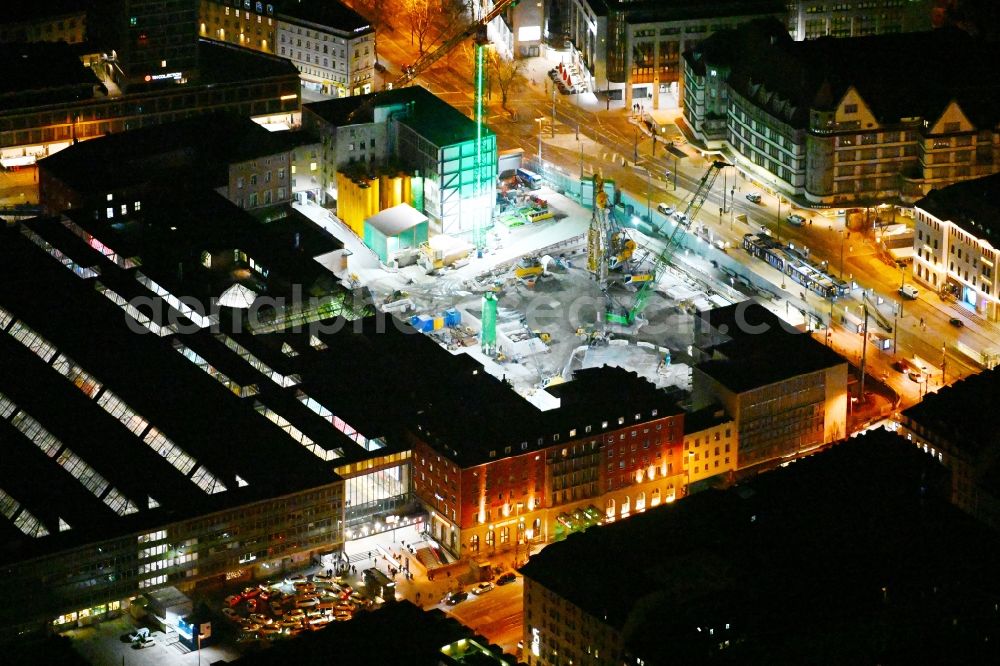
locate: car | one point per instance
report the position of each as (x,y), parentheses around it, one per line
(261,619)
(326,578)
(270,632)
(251,592)
(754,197)
(956,322)
(456,598)
(233,599)
(909,291)
(506,578)
(915,375)
(230,614)
(305,587)
(682,219)
(665,209)
(291,580)
(250,627)
(276,609)
(482,588)
(795,220)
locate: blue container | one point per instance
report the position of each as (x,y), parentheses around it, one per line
(452,317)
(422,323)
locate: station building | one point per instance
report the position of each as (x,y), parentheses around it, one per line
(955,249)
(529,476)
(808,19)
(730,575)
(232,155)
(332,46)
(847,120)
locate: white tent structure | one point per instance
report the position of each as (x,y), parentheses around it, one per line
(237,296)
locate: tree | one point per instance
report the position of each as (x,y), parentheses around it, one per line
(431,20)
(507,71)
(377,12)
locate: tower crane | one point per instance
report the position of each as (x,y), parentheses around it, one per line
(476,28)
(627,316)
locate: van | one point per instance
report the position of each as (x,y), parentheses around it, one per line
(909,291)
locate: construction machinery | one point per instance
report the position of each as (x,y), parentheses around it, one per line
(626,316)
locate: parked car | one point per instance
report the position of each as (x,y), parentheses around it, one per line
(754,197)
(230,614)
(956,322)
(233,599)
(665,209)
(251,592)
(795,220)
(261,619)
(455,598)
(276,609)
(482,588)
(508,577)
(291,580)
(909,291)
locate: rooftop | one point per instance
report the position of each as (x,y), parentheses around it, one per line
(656,11)
(957,412)
(42,72)
(907,75)
(428,115)
(397,219)
(796,566)
(705,418)
(754,347)
(110,425)
(329,13)
(973,205)
(196,151)
(16,11)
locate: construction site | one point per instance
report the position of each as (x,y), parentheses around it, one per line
(538,284)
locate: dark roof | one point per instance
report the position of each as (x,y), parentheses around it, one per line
(42,72)
(794,564)
(329,13)
(478,418)
(396,634)
(960,412)
(655,11)
(973,205)
(760,348)
(705,418)
(200,415)
(431,117)
(196,150)
(16,11)
(907,75)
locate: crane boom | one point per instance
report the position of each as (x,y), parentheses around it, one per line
(661,259)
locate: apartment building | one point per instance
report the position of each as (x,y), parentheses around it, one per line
(811,19)
(331,45)
(847,120)
(955,251)
(632,51)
